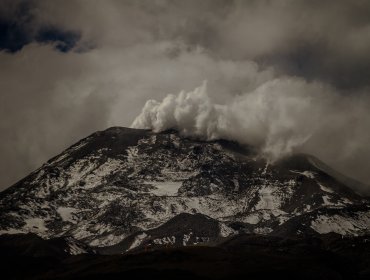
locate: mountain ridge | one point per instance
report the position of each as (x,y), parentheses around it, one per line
(121,183)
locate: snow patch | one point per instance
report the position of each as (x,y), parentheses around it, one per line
(75,249)
(267,199)
(263,230)
(35,225)
(106,240)
(236,184)
(186,238)
(10,231)
(168,188)
(252,219)
(96,177)
(326,200)
(168,240)
(265,169)
(138,240)
(66,213)
(225,231)
(132,154)
(325,189)
(308,174)
(342,224)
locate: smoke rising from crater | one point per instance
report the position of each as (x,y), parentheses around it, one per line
(280,117)
(277,117)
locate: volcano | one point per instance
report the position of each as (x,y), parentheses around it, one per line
(135,192)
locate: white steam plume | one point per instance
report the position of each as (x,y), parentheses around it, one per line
(277,117)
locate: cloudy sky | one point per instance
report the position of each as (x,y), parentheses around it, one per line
(287,75)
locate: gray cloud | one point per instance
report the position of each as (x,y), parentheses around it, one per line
(132,51)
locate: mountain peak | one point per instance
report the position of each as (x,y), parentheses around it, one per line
(126,185)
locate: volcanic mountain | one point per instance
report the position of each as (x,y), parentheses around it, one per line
(122,189)
(137,204)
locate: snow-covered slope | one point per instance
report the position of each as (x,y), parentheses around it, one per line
(120,184)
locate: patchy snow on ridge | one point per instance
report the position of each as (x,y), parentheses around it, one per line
(342,224)
(74,249)
(168,240)
(96,177)
(308,174)
(11,231)
(165,188)
(253,218)
(116,188)
(35,225)
(186,238)
(267,199)
(226,231)
(325,189)
(138,240)
(326,200)
(66,213)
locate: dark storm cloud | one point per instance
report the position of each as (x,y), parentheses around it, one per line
(18,28)
(68,68)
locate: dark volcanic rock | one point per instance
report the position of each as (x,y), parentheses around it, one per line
(243,256)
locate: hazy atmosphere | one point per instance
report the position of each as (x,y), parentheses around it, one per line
(285,75)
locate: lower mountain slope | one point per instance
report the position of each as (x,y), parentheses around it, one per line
(243,256)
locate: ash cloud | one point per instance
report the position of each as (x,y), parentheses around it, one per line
(69,68)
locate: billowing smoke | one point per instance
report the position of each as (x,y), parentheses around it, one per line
(279,117)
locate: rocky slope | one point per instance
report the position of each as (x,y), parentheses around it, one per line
(125,189)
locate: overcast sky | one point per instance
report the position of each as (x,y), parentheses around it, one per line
(69,68)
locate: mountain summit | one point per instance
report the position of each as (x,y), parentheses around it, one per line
(123,189)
